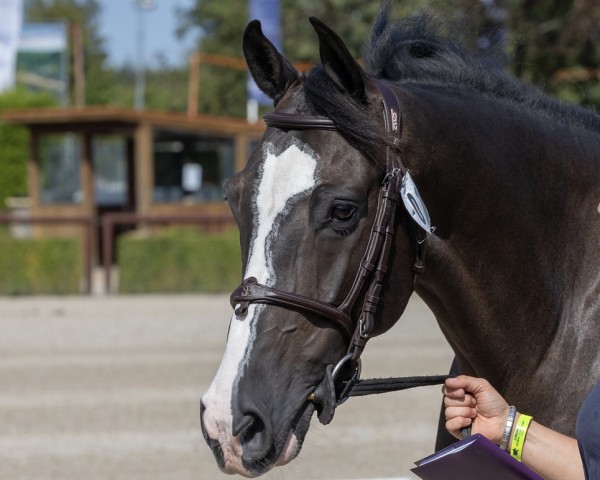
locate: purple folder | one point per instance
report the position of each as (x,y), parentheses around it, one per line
(473,458)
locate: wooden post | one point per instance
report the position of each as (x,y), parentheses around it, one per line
(34,184)
(87,172)
(241,152)
(78,66)
(88,202)
(193,84)
(144,165)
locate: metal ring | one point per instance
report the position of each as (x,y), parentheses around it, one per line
(350,381)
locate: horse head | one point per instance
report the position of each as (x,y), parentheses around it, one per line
(305,205)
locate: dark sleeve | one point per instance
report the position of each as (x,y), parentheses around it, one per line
(588,434)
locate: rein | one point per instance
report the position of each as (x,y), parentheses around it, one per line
(397,187)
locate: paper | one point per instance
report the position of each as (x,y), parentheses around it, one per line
(473,458)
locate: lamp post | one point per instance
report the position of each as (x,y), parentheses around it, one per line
(140,76)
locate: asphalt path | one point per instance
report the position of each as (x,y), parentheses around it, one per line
(108,388)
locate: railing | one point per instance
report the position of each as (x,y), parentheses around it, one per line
(110,220)
(85,222)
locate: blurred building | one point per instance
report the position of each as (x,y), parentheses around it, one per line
(88,162)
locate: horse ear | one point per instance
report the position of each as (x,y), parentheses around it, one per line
(339,63)
(271,71)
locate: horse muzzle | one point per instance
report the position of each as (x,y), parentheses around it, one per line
(247,444)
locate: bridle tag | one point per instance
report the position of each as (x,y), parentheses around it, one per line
(414,204)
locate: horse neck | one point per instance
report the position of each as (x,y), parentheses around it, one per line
(505,191)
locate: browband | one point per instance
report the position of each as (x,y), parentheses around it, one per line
(298,121)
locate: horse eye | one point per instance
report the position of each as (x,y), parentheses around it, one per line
(343,212)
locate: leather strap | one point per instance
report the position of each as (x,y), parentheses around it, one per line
(298,121)
(374,265)
(250,291)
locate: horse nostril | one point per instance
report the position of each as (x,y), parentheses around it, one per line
(253,430)
(255,436)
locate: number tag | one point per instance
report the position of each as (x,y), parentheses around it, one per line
(414,203)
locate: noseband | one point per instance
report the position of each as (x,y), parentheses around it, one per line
(396,186)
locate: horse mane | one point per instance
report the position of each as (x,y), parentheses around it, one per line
(414,51)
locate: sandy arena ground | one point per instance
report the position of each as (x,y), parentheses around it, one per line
(108,388)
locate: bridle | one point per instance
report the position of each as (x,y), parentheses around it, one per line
(397,186)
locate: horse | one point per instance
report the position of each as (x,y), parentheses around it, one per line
(361,169)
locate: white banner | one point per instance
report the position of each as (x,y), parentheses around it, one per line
(43,37)
(269,14)
(11,18)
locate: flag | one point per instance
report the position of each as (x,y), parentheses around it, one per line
(268,12)
(11,17)
(42,60)
(43,37)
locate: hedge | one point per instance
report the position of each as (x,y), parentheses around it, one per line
(179,260)
(50,266)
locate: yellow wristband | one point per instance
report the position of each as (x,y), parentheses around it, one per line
(518,440)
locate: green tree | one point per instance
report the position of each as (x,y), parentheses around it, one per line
(99,78)
(556,44)
(223,91)
(14,139)
(166,86)
(553,43)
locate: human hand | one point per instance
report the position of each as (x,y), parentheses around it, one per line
(473,402)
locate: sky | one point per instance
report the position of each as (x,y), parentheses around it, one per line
(119,27)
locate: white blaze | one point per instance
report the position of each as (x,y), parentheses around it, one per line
(283,178)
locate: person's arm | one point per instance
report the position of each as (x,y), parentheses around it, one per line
(474,402)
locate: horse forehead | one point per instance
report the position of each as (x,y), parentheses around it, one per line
(283,176)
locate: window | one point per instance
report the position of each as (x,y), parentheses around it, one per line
(110,169)
(60,158)
(191,167)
